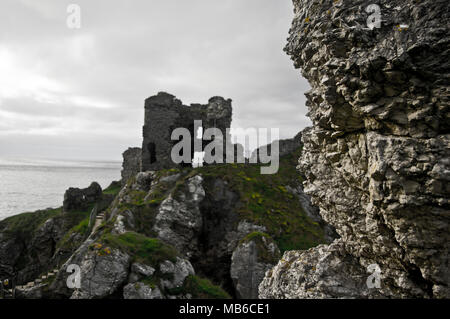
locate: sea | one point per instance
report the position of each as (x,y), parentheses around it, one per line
(27,185)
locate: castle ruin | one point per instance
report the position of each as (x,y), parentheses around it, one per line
(164,113)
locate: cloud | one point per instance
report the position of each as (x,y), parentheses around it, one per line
(72,83)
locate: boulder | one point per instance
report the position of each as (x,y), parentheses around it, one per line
(176,271)
(140,290)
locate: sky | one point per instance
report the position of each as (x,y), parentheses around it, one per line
(78,93)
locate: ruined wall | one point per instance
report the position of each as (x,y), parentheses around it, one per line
(164,113)
(377,160)
(131,164)
(76,199)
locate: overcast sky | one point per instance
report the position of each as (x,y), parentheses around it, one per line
(79,93)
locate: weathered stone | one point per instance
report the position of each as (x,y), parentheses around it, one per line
(35,292)
(102,275)
(164,113)
(177,272)
(376,160)
(131,164)
(313,212)
(144,180)
(179,220)
(249,263)
(140,290)
(80,199)
(140,271)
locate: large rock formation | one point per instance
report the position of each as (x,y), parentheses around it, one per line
(32,244)
(190,233)
(377,160)
(254,255)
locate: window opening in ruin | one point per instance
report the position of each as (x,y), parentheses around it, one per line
(152,150)
(200,132)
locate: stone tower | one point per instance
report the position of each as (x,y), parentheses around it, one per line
(164,112)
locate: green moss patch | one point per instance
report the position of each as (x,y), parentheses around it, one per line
(254,235)
(150,251)
(200,288)
(264,254)
(67,242)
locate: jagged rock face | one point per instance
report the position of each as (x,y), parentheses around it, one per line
(313,212)
(176,271)
(250,261)
(166,232)
(26,253)
(101,276)
(377,160)
(110,273)
(179,220)
(201,222)
(198,216)
(131,164)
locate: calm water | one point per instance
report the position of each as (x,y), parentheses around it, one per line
(29,185)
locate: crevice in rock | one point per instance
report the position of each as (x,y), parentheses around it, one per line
(213,259)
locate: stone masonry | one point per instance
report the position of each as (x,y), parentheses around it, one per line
(164,113)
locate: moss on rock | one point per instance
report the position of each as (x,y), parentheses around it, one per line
(200,288)
(150,251)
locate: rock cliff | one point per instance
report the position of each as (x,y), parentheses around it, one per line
(207,232)
(377,160)
(34,243)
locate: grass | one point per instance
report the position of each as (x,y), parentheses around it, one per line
(113,189)
(263,253)
(150,251)
(254,235)
(27,223)
(67,243)
(200,288)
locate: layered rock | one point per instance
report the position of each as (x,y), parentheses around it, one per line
(377,159)
(191,233)
(251,259)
